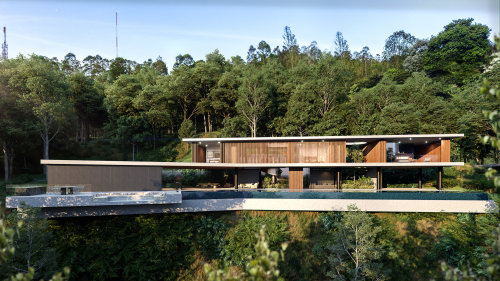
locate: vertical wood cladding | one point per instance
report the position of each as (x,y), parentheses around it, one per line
(106,178)
(375,152)
(445,150)
(296,179)
(198,153)
(429,153)
(285,152)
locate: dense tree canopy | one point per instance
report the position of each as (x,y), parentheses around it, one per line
(281,91)
(459,51)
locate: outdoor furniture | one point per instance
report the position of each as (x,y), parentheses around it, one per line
(65,189)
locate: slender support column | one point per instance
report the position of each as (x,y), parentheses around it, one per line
(379,179)
(339,179)
(236,178)
(440,178)
(419,178)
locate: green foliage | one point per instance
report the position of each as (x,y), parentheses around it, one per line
(262,267)
(353,252)
(488,269)
(193,177)
(493,116)
(187,129)
(360,183)
(458,52)
(33,244)
(25,230)
(132,248)
(240,239)
(355,155)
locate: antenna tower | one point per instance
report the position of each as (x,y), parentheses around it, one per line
(5,47)
(116,32)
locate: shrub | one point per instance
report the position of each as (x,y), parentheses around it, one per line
(241,239)
(23,178)
(478,181)
(361,183)
(451,182)
(192,177)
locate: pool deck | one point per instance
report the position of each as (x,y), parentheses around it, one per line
(217,200)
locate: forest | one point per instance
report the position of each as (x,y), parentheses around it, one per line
(123,110)
(119,109)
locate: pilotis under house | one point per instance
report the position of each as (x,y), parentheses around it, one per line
(90,188)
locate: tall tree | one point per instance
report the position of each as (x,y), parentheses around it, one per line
(87,102)
(263,50)
(15,120)
(413,62)
(365,57)
(186,60)
(458,52)
(398,44)
(253,97)
(354,252)
(251,56)
(70,64)
(184,91)
(341,46)
(43,87)
(95,65)
(289,41)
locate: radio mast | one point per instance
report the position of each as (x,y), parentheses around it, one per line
(116,32)
(5,47)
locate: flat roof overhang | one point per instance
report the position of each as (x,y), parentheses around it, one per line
(362,138)
(208,166)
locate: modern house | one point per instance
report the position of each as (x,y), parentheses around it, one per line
(325,156)
(90,188)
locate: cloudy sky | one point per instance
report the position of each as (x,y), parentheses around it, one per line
(152,28)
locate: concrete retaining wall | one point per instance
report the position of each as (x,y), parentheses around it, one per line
(214,205)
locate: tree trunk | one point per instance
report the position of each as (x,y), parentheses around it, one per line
(11,163)
(87,132)
(5,161)
(205,122)
(209,123)
(46,141)
(154,138)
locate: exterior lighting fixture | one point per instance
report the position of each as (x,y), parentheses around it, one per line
(410,138)
(302,141)
(399,141)
(206,145)
(218,142)
(322,140)
(199,142)
(440,138)
(425,141)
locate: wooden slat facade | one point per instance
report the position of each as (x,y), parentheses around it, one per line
(445,150)
(284,152)
(296,179)
(198,153)
(429,153)
(375,152)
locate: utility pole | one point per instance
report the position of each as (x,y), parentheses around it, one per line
(5,47)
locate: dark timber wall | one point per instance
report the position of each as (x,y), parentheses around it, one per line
(106,178)
(198,153)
